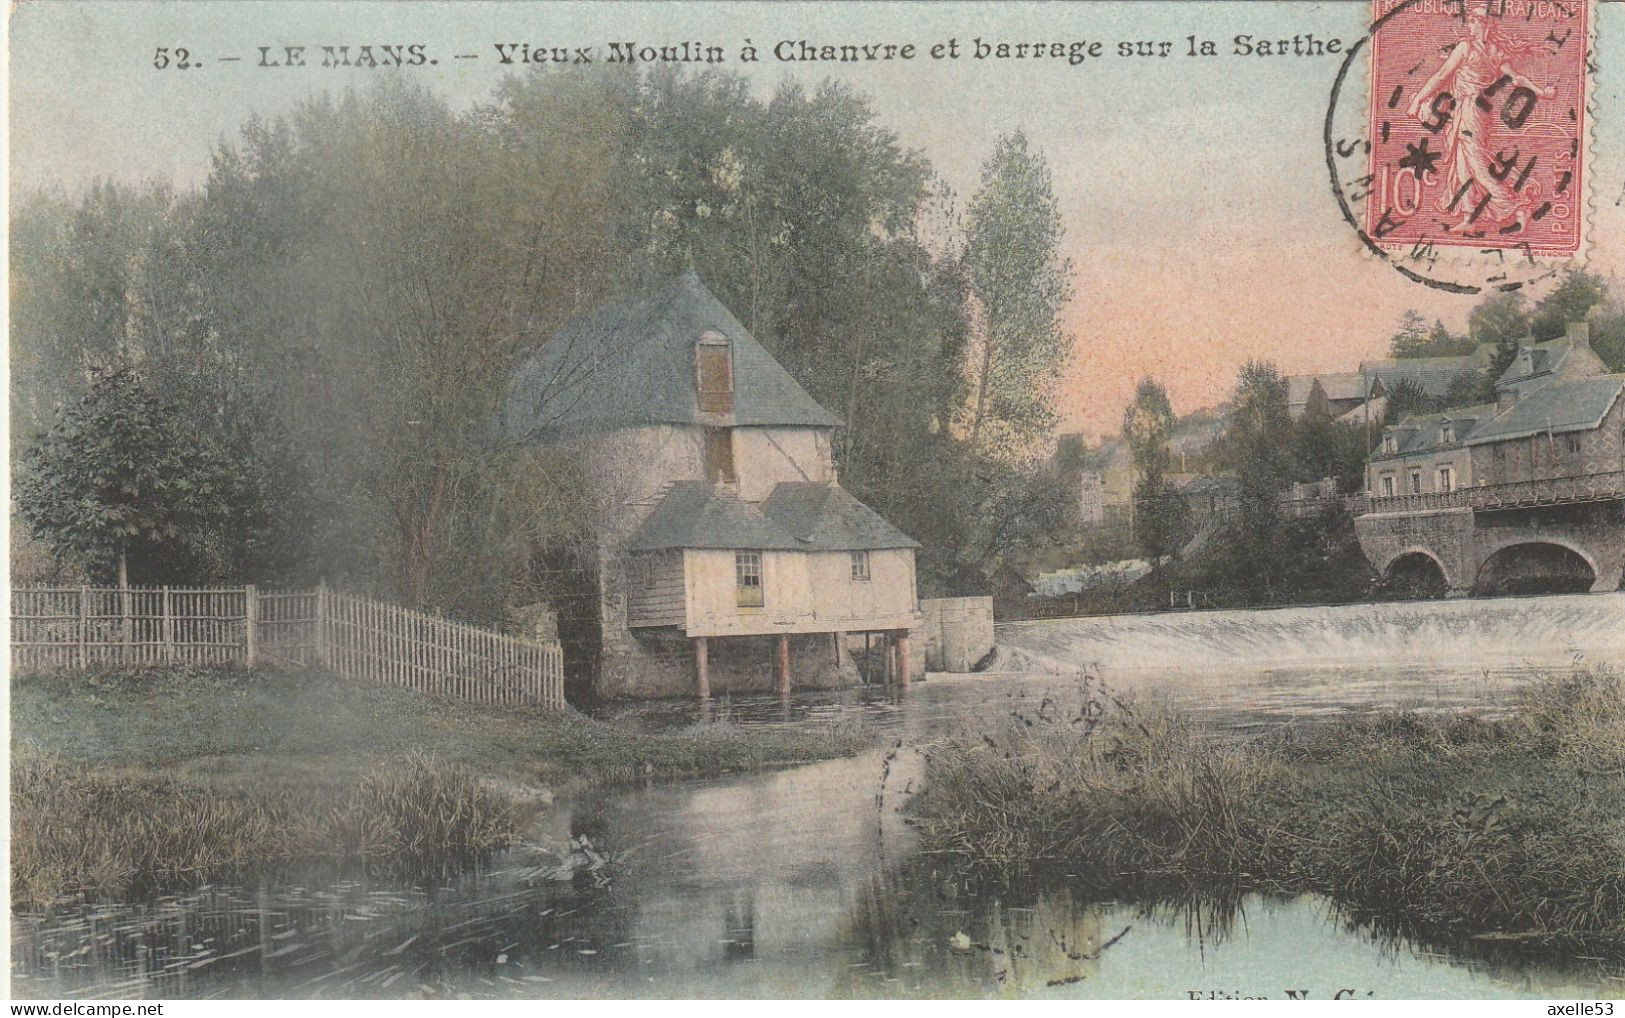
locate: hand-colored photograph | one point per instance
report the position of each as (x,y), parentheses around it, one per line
(1100,500)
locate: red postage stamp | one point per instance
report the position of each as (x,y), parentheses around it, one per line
(1478,125)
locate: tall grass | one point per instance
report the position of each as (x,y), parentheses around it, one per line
(80,830)
(1507,828)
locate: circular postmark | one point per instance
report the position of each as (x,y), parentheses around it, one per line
(1463,168)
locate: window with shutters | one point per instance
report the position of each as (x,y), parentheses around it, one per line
(714,373)
(748,576)
(719,456)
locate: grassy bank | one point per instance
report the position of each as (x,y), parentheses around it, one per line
(127,782)
(1445,827)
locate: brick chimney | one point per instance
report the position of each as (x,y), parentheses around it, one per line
(1579,334)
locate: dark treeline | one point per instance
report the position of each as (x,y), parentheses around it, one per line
(331,320)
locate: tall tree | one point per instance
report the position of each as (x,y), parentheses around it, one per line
(1500,320)
(380,262)
(1411,334)
(1570,300)
(1020,283)
(1148,424)
(1259,445)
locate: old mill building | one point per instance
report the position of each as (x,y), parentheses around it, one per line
(725,554)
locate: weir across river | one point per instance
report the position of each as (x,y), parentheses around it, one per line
(1491,632)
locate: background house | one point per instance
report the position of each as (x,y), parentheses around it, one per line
(1527,490)
(724,554)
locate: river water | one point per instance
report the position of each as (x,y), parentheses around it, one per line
(803,882)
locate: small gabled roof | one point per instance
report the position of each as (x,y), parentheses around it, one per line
(1298,388)
(1337,386)
(1344,385)
(1542,358)
(694,514)
(1433,374)
(1577,404)
(632,363)
(1423,432)
(824,517)
(795,517)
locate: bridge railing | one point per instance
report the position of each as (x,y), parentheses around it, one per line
(1511,495)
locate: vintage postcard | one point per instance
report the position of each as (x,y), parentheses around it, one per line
(1110,500)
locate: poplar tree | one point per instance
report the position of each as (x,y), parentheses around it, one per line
(1019,284)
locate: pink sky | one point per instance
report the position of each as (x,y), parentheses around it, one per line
(1195,195)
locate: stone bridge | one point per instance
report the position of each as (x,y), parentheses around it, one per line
(1563,530)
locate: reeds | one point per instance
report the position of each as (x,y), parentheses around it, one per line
(1506,828)
(80,830)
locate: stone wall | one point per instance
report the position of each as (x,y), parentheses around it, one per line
(957,632)
(650,664)
(1462,541)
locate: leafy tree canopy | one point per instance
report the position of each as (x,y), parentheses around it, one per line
(121,474)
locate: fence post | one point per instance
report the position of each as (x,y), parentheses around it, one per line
(324,646)
(126,621)
(168,628)
(84,625)
(251,616)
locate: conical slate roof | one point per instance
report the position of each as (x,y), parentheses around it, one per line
(632,363)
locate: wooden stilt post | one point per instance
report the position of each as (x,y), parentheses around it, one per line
(903,674)
(702,676)
(781,665)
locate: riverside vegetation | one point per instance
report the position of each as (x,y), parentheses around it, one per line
(127,783)
(1501,830)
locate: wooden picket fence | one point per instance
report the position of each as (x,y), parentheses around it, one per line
(55,628)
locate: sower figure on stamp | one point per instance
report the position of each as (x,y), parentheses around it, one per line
(1478,67)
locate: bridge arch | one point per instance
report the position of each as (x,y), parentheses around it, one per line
(1417,572)
(1544,564)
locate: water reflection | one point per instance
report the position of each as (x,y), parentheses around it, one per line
(1236,701)
(801,883)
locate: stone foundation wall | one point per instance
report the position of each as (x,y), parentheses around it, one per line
(955,634)
(655,663)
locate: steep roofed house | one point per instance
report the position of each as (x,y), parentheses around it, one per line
(1433,375)
(1333,394)
(1569,356)
(726,556)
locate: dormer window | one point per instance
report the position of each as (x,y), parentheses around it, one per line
(714,373)
(1390,444)
(1447,434)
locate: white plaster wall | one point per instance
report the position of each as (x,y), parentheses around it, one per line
(631,466)
(764,457)
(803,593)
